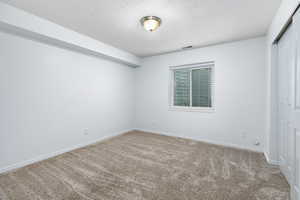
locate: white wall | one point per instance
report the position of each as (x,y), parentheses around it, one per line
(284,12)
(240,95)
(49,95)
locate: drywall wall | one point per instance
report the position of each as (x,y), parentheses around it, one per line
(49,96)
(240,95)
(280,20)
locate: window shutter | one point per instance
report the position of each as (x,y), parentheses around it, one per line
(182,87)
(201,87)
(193,86)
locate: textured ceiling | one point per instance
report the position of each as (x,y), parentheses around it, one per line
(184,22)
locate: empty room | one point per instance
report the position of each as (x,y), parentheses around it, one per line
(150,100)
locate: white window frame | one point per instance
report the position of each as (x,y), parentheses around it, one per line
(194,66)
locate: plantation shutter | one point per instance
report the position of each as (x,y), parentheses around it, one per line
(192,86)
(201,87)
(182,87)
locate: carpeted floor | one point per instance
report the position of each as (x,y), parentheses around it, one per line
(144,166)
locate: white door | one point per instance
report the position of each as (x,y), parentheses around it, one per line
(286,52)
(295,108)
(289,105)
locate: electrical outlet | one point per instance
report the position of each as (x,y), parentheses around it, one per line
(86,131)
(257,142)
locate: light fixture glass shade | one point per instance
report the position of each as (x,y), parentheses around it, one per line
(150,23)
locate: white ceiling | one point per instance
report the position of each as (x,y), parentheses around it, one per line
(184,22)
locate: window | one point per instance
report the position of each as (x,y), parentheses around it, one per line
(192,87)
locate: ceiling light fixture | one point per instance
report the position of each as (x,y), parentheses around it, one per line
(150,23)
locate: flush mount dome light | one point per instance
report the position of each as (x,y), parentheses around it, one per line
(151,23)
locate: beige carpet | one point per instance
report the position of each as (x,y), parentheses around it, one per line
(138,165)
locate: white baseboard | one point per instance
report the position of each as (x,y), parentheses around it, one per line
(50,155)
(236,146)
(272,162)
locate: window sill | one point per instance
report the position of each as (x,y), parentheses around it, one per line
(192,109)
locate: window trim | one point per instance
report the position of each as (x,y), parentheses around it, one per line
(202,65)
